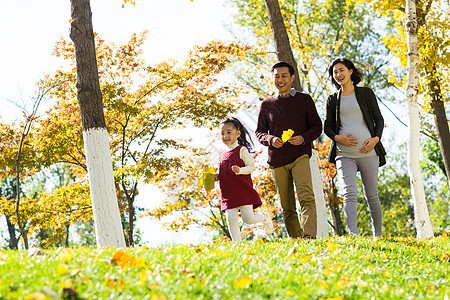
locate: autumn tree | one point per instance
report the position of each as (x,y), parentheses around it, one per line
(38,210)
(421,33)
(143,105)
(19,160)
(433,25)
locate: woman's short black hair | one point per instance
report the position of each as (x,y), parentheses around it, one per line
(356,76)
(281,64)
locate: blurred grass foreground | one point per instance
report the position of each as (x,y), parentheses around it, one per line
(332,268)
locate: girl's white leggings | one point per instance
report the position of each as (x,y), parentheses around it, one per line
(248,217)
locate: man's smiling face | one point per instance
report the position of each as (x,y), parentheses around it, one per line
(282,80)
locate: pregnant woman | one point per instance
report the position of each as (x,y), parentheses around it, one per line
(354,124)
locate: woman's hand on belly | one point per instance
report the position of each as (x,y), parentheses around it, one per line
(369,144)
(347,140)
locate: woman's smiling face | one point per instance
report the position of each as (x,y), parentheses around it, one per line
(342,74)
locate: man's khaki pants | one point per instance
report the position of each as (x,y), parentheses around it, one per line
(285,177)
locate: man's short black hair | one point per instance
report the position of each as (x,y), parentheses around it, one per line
(281,64)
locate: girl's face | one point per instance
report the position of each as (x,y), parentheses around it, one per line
(342,74)
(229,134)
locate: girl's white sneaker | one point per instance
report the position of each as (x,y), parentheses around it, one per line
(268,224)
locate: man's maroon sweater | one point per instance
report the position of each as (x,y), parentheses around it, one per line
(279,114)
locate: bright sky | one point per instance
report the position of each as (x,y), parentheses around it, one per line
(31,28)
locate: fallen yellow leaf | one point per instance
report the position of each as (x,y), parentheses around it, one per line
(444,256)
(342,282)
(66,284)
(336,298)
(62,269)
(117,284)
(179,260)
(290,293)
(153,286)
(306,258)
(36,296)
(202,281)
(121,258)
(362,284)
(323,284)
(242,283)
(65,254)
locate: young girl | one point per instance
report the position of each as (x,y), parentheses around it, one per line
(236,184)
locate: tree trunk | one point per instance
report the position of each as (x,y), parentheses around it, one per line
(441,123)
(130,222)
(13,241)
(281,38)
(66,240)
(321,208)
(284,53)
(338,227)
(108,227)
(422,218)
(20,222)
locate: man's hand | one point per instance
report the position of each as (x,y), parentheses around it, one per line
(277,142)
(346,139)
(296,140)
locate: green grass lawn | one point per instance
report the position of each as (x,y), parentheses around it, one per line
(334,268)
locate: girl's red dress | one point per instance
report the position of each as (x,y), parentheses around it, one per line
(236,190)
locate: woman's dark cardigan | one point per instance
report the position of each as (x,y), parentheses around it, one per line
(371,115)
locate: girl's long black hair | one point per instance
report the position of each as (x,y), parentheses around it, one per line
(244,139)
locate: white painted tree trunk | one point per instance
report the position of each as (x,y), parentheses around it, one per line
(421,216)
(108,227)
(321,209)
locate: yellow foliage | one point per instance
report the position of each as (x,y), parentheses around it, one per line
(434,41)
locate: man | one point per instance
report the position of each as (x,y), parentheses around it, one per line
(289,160)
